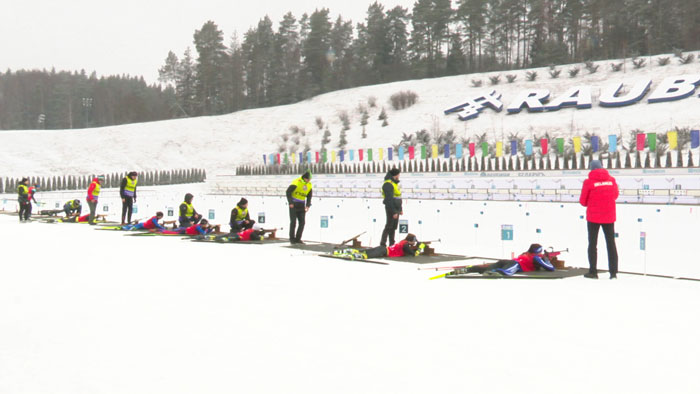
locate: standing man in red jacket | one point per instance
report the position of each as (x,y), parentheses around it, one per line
(93,193)
(598,195)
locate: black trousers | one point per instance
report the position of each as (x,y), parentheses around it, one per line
(503,264)
(236,227)
(296,215)
(127,208)
(379,251)
(93,211)
(186,221)
(390,228)
(25,210)
(609,232)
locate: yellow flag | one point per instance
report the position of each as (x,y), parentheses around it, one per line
(499,148)
(381,153)
(577,144)
(332,156)
(294,157)
(435,151)
(672,140)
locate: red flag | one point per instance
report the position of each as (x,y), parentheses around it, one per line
(411,152)
(472,149)
(361,152)
(543,145)
(640,141)
(278,159)
(318,157)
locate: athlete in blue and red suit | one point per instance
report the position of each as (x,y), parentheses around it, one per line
(531,260)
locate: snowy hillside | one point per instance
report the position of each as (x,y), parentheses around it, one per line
(222,142)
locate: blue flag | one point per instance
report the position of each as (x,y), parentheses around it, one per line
(458,151)
(612,140)
(352,154)
(447,151)
(513,148)
(391,153)
(694,138)
(528,147)
(595,141)
(401,152)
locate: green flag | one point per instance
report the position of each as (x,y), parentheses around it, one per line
(286,159)
(324,156)
(423,152)
(369,154)
(485,148)
(652,141)
(560,145)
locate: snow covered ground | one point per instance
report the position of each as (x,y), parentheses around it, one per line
(87,311)
(100,312)
(219,143)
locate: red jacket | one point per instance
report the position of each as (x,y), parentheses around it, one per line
(598,195)
(91,189)
(396,250)
(245,234)
(526,261)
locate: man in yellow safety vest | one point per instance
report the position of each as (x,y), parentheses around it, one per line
(299,200)
(392,205)
(127,191)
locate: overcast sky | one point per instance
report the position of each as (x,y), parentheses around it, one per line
(134,36)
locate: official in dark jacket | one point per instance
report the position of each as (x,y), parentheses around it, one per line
(598,195)
(392,205)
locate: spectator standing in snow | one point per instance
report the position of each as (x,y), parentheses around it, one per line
(598,195)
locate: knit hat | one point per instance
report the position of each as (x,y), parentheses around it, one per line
(132,173)
(242,202)
(394,171)
(596,164)
(306,175)
(410,238)
(535,248)
(24,180)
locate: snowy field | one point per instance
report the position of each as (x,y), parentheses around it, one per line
(86,311)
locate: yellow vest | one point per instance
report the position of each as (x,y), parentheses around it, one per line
(131,184)
(96,190)
(190,209)
(75,203)
(22,189)
(302,189)
(242,213)
(397,189)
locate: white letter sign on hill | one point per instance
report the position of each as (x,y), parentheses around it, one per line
(675,88)
(670,89)
(532,99)
(609,97)
(473,107)
(579,97)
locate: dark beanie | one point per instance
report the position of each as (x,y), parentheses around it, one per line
(306,175)
(410,238)
(242,202)
(535,248)
(596,164)
(394,171)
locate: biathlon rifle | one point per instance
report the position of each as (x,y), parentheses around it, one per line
(353,238)
(554,253)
